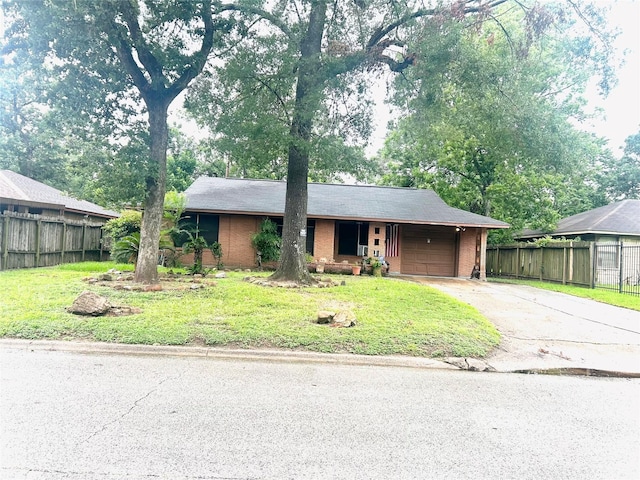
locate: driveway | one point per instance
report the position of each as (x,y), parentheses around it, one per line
(547,330)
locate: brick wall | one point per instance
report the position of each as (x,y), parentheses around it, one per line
(473,244)
(324,241)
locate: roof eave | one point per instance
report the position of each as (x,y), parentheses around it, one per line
(349,218)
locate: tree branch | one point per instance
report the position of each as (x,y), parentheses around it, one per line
(274,20)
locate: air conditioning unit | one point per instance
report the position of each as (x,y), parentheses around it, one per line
(363,250)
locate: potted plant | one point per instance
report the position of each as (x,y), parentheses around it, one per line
(355,269)
(376,266)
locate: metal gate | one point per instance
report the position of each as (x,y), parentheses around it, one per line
(617,267)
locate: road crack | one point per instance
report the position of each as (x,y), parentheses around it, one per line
(135,405)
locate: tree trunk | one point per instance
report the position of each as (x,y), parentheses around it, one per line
(147,264)
(292,265)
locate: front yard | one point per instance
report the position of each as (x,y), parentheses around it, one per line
(392,316)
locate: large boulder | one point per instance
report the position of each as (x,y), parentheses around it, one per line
(90,304)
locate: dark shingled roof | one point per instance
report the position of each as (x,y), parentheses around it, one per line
(620,218)
(22,190)
(348,202)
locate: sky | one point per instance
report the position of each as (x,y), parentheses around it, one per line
(621,107)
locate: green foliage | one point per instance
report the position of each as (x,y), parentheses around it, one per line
(621,178)
(267,242)
(492,129)
(126,249)
(126,224)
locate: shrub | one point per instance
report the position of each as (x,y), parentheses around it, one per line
(267,242)
(126,224)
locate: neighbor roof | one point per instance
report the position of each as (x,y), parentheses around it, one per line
(21,190)
(337,201)
(620,218)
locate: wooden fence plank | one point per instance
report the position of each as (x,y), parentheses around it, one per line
(28,240)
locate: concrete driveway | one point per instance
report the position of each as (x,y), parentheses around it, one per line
(547,330)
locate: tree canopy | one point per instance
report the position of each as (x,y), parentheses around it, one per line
(492,117)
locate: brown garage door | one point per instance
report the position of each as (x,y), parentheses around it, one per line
(428,251)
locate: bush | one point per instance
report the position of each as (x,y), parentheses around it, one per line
(267,241)
(128,223)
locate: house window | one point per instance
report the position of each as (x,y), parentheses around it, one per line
(201,225)
(311,228)
(352,235)
(608,256)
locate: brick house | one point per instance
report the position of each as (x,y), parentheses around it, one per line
(414,229)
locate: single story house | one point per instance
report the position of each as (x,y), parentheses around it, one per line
(24,195)
(613,223)
(615,230)
(414,229)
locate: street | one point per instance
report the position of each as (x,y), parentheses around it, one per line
(86,416)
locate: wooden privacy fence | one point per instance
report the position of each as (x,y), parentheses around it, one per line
(557,262)
(613,266)
(35,241)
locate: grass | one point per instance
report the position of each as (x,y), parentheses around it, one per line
(393,316)
(605,296)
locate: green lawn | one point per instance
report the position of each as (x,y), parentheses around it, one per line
(605,296)
(393,316)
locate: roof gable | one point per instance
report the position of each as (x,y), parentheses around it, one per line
(14,186)
(338,201)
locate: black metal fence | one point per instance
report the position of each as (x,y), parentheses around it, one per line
(617,267)
(610,266)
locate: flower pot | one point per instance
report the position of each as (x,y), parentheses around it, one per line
(320,268)
(355,269)
(377,271)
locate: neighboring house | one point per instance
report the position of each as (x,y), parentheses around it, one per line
(21,194)
(615,229)
(415,230)
(40,226)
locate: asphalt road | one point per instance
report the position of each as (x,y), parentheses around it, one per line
(85,416)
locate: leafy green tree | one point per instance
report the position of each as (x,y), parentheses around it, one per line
(117,59)
(621,177)
(491,120)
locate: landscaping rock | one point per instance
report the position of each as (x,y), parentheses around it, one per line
(156,287)
(221,275)
(90,304)
(105,277)
(344,319)
(325,316)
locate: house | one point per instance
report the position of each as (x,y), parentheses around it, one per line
(40,226)
(21,194)
(415,230)
(613,223)
(615,231)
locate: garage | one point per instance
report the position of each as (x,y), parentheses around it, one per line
(428,251)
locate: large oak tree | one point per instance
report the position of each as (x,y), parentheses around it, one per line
(118,61)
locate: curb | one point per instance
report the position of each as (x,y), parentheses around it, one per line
(282,356)
(285,356)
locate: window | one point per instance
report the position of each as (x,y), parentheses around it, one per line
(351,235)
(311,227)
(204,225)
(608,255)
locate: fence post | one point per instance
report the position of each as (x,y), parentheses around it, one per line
(621,265)
(84,233)
(593,254)
(5,243)
(64,241)
(517,260)
(38,239)
(541,262)
(564,265)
